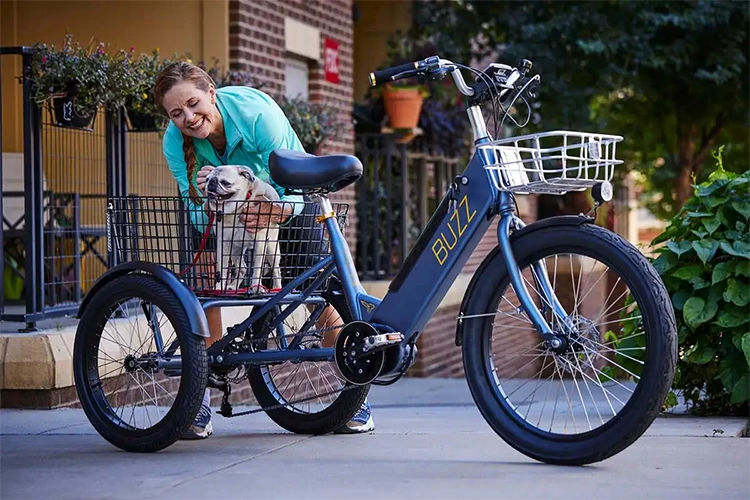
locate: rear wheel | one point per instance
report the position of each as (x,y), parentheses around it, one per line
(131,328)
(598,395)
(315,398)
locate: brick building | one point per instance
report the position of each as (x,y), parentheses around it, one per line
(322,49)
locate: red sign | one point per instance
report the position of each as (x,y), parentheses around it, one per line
(331,60)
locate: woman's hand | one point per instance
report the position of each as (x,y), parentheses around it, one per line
(259,216)
(202,176)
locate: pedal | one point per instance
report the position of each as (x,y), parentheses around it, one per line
(381,341)
(226,407)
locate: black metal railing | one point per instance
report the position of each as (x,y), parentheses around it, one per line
(401,187)
(54,231)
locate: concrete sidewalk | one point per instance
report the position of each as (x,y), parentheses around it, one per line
(430,442)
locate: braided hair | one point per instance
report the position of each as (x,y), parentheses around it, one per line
(171,75)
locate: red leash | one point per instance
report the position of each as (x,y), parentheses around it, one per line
(201,248)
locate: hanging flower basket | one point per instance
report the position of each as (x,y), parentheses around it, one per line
(65,114)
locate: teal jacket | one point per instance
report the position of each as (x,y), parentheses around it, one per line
(254,126)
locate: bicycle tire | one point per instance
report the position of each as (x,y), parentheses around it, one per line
(340,411)
(194,371)
(659,368)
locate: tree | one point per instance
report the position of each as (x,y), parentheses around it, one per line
(671,77)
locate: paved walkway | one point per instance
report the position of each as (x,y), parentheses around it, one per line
(430,442)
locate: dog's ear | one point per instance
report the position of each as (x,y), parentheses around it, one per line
(247,174)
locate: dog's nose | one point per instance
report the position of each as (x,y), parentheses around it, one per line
(212,182)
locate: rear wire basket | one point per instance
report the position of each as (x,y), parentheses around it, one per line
(551,162)
(170,233)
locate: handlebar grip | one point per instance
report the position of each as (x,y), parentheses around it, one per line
(385,75)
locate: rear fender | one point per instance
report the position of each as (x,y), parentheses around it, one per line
(191,304)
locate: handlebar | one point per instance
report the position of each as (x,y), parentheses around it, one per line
(436,67)
(429,66)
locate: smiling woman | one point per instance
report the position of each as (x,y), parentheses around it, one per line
(232,125)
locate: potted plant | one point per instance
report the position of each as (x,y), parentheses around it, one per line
(73,78)
(403,99)
(139,104)
(314,123)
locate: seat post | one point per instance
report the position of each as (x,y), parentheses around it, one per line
(340,249)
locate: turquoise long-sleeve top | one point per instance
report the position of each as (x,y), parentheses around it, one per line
(254,126)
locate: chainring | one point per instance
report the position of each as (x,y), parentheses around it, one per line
(357,370)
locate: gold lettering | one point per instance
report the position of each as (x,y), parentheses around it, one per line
(455,238)
(440,248)
(465,201)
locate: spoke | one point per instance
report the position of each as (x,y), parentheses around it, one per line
(601,386)
(609,349)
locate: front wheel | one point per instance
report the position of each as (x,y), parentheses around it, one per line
(598,395)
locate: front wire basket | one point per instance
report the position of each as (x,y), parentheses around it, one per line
(218,259)
(551,162)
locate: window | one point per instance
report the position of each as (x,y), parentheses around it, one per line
(297,78)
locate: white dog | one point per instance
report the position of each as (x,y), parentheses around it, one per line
(229,188)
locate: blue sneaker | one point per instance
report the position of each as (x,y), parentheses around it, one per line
(360,422)
(201,427)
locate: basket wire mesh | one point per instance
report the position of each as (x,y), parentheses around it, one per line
(215,254)
(551,162)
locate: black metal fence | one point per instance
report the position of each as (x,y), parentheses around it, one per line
(54,230)
(400,189)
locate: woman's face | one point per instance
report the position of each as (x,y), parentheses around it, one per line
(191,109)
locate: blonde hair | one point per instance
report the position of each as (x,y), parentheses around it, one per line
(170,76)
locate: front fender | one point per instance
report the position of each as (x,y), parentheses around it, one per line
(495,255)
(191,304)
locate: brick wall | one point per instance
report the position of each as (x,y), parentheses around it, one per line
(257,41)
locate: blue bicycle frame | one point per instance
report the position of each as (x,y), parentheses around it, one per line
(450,237)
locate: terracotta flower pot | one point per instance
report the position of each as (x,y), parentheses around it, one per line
(403,106)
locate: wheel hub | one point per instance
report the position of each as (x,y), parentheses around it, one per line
(581,344)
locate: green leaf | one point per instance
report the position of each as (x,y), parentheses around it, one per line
(664,236)
(740,226)
(743,268)
(741,390)
(743,207)
(679,247)
(665,262)
(699,354)
(699,234)
(705,249)
(731,316)
(715,201)
(746,347)
(722,271)
(738,249)
(711,224)
(671,400)
(697,311)
(679,299)
(688,272)
(737,293)
(708,189)
(732,235)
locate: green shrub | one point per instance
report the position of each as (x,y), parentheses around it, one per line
(705,264)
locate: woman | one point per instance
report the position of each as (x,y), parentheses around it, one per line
(227,126)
